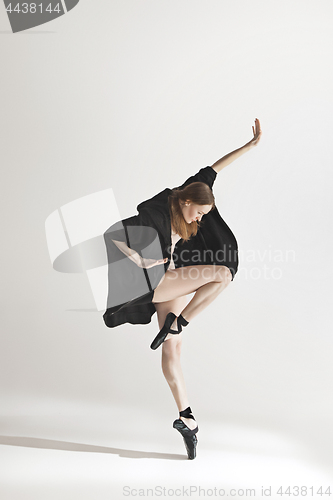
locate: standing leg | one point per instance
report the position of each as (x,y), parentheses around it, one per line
(171,350)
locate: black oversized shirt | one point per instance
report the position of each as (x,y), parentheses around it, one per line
(131,288)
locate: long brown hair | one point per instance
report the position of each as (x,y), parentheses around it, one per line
(197,193)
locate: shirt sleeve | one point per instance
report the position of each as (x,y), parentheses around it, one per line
(206,175)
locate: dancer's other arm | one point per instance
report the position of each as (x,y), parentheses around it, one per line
(230,157)
(136,258)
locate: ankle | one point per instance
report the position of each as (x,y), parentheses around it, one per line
(188,418)
(174,325)
(187,413)
(191,424)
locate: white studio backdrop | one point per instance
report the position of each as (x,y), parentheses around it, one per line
(134,97)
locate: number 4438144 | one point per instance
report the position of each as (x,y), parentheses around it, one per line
(32,8)
(304,491)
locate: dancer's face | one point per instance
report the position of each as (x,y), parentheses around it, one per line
(193,212)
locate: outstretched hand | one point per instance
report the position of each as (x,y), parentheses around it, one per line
(230,157)
(256,133)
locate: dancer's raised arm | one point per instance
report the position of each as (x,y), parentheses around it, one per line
(230,157)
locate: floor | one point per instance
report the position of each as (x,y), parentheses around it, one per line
(90,457)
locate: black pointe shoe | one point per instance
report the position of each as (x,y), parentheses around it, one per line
(181,321)
(160,337)
(189,435)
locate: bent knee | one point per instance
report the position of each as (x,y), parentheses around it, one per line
(223,275)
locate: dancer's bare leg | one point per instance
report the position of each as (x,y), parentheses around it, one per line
(171,350)
(206,280)
(207,284)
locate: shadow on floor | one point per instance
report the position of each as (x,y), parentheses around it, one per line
(50,444)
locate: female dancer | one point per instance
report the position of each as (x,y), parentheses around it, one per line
(204,262)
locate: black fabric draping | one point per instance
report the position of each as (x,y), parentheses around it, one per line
(131,288)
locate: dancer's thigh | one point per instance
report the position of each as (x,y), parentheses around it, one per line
(185,280)
(175,305)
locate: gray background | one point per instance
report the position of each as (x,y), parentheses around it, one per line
(137,96)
